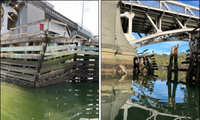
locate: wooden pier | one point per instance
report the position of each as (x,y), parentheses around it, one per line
(192,58)
(38,59)
(144,63)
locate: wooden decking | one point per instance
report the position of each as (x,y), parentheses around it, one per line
(40,60)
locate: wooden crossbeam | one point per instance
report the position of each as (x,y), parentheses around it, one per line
(22,48)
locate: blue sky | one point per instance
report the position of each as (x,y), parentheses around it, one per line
(190,2)
(165,47)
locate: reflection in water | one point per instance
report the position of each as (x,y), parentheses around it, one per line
(65,101)
(150,98)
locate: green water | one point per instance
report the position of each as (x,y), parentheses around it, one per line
(64,101)
(139,97)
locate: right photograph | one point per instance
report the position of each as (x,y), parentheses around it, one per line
(150,60)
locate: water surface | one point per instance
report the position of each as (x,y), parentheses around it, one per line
(148,97)
(64,101)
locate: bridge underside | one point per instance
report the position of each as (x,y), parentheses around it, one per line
(121,19)
(158,25)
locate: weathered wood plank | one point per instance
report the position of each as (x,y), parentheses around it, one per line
(56,61)
(88,52)
(87,48)
(39,31)
(61,39)
(19,62)
(88,62)
(71,46)
(18,75)
(33,38)
(91,43)
(4,38)
(5,33)
(19,69)
(53,73)
(29,24)
(60,47)
(57,54)
(55,67)
(23,48)
(21,56)
(86,66)
(87,57)
(64,41)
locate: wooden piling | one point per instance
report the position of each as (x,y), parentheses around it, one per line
(173,57)
(170,62)
(198,62)
(189,76)
(144,64)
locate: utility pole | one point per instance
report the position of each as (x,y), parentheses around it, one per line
(82,15)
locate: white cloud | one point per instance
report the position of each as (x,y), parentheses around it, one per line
(73,11)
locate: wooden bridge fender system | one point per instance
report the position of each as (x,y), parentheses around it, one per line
(40,59)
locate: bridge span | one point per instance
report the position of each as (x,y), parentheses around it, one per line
(158,20)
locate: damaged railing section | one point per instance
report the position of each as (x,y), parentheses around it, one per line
(45,26)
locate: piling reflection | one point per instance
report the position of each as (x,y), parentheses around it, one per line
(153,97)
(65,101)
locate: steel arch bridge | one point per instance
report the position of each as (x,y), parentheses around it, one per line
(159,20)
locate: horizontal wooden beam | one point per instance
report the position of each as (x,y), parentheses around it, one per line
(88,52)
(21,56)
(19,69)
(60,47)
(19,62)
(39,31)
(87,57)
(53,73)
(57,54)
(4,38)
(61,53)
(92,43)
(23,48)
(29,24)
(34,38)
(87,48)
(55,67)
(57,60)
(17,75)
(5,33)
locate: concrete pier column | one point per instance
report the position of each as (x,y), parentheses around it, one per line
(130,17)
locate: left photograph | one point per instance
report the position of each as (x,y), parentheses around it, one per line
(49,60)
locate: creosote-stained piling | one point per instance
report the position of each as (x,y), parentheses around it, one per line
(173,55)
(194,59)
(144,63)
(41,60)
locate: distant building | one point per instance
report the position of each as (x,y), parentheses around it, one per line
(20,12)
